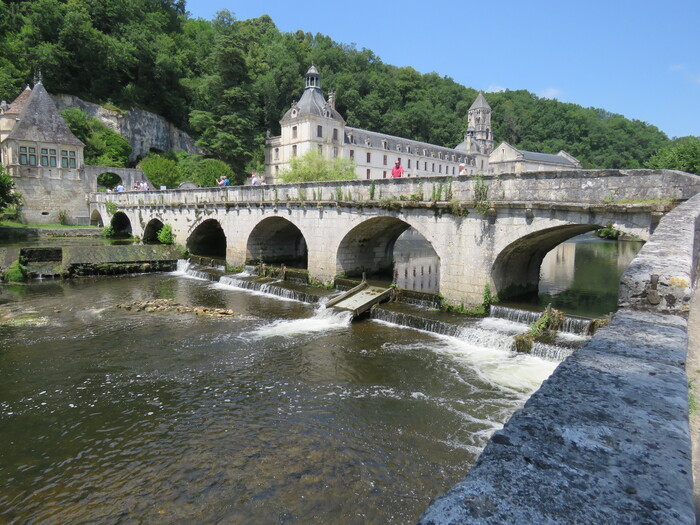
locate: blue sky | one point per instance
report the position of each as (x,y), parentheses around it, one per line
(634,57)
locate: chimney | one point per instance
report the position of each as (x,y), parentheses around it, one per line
(331,99)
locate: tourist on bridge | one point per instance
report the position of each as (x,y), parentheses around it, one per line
(254,180)
(462,169)
(397,170)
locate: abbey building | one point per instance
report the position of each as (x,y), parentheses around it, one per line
(313,123)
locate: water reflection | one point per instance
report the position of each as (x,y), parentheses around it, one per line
(582,275)
(416,265)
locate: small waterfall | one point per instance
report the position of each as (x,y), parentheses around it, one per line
(514,314)
(573,325)
(244,281)
(413,321)
(551,352)
(191,269)
(473,334)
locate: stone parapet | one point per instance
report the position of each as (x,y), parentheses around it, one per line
(606,438)
(609,187)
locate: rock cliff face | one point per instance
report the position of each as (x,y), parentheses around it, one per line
(144,130)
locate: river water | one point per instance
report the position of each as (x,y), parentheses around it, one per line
(284,413)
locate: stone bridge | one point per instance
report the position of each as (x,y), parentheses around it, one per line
(493,230)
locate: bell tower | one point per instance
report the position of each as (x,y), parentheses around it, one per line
(479,136)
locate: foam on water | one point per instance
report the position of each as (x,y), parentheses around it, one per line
(322,321)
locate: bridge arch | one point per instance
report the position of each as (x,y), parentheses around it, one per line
(150,232)
(369,246)
(516,270)
(208,239)
(277,240)
(121,224)
(96,218)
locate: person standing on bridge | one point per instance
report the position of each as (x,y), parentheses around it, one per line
(397,170)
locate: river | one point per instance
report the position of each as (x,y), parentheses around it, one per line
(283,413)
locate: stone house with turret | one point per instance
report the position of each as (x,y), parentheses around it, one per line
(313,124)
(45,160)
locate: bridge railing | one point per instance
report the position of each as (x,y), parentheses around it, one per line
(585,186)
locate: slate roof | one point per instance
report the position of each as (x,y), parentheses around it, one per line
(545,157)
(17,105)
(40,121)
(480,103)
(313,103)
(373,139)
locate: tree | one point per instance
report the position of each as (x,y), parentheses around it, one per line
(8,196)
(160,171)
(314,167)
(682,154)
(103,147)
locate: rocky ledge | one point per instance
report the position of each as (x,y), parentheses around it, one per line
(168,305)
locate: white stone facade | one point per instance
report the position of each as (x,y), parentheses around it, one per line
(313,124)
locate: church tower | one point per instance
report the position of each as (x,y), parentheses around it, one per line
(479,137)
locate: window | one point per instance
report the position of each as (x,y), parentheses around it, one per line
(409,164)
(294,151)
(44,157)
(32,156)
(277,154)
(439,168)
(319,131)
(367,173)
(64,158)
(335,153)
(23,155)
(433,167)
(52,158)
(335,134)
(294,132)
(320,149)
(385,160)
(369,157)
(71,159)
(384,174)
(352,153)
(385,144)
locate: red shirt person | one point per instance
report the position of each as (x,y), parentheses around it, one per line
(397,170)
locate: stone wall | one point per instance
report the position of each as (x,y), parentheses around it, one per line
(606,438)
(143,130)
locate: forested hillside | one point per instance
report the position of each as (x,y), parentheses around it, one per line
(227,81)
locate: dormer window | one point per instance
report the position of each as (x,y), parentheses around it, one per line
(385,144)
(294,113)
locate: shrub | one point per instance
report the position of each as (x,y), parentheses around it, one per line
(165,234)
(62,217)
(108,232)
(15,273)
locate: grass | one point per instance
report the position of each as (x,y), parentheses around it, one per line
(14,224)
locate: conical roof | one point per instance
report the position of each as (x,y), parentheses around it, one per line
(17,105)
(40,121)
(480,103)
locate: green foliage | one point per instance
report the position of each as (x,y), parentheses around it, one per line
(108,180)
(437,192)
(488,299)
(103,147)
(455,208)
(8,197)
(608,232)
(201,171)
(63,217)
(314,167)
(165,234)
(15,273)
(682,154)
(372,189)
(550,319)
(111,207)
(160,171)
(227,81)
(108,231)
(481,194)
